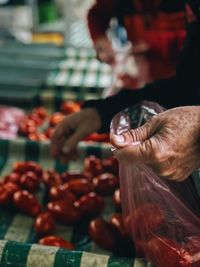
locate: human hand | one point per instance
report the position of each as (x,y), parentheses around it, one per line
(169,143)
(71,130)
(104,50)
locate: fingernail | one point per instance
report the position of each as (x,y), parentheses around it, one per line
(65,150)
(119,138)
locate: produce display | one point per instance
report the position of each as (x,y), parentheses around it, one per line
(72,198)
(39,125)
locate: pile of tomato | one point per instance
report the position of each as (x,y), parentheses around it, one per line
(71,198)
(39,126)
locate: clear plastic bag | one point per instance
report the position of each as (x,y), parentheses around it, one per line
(162,216)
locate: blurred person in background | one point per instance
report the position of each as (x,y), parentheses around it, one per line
(170,142)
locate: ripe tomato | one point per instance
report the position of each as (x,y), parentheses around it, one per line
(117,199)
(56,118)
(57,193)
(49,132)
(95,137)
(26,203)
(34,117)
(13,177)
(27,126)
(66,176)
(105,183)
(7,191)
(37,137)
(110,165)
(25,166)
(117,222)
(56,241)
(64,212)
(30,181)
(69,107)
(44,223)
(79,187)
(93,165)
(90,204)
(101,232)
(41,112)
(51,178)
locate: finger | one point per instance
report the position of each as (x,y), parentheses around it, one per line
(71,143)
(133,136)
(145,152)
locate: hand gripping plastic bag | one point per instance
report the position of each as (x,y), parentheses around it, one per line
(162,216)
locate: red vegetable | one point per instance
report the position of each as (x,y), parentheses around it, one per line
(40,111)
(25,166)
(13,177)
(44,223)
(56,118)
(70,107)
(110,165)
(90,204)
(56,241)
(105,183)
(117,222)
(26,203)
(51,178)
(93,165)
(30,181)
(64,212)
(67,176)
(78,186)
(101,232)
(58,193)
(7,191)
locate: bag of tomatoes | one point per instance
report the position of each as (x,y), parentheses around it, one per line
(162,216)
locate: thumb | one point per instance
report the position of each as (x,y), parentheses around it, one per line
(135,136)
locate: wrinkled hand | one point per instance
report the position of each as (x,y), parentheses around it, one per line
(71,130)
(169,143)
(104,50)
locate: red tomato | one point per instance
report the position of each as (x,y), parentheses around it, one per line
(110,165)
(93,165)
(56,241)
(11,187)
(90,204)
(37,137)
(34,117)
(164,252)
(57,193)
(41,112)
(27,126)
(146,219)
(51,178)
(95,137)
(117,199)
(26,203)
(49,132)
(70,107)
(79,187)
(25,166)
(13,177)
(44,223)
(30,181)
(117,222)
(56,118)
(7,191)
(66,176)
(64,212)
(102,234)
(105,184)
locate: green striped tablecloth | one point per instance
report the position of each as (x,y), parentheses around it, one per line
(80,68)
(18,240)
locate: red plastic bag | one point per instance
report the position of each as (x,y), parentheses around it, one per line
(162,216)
